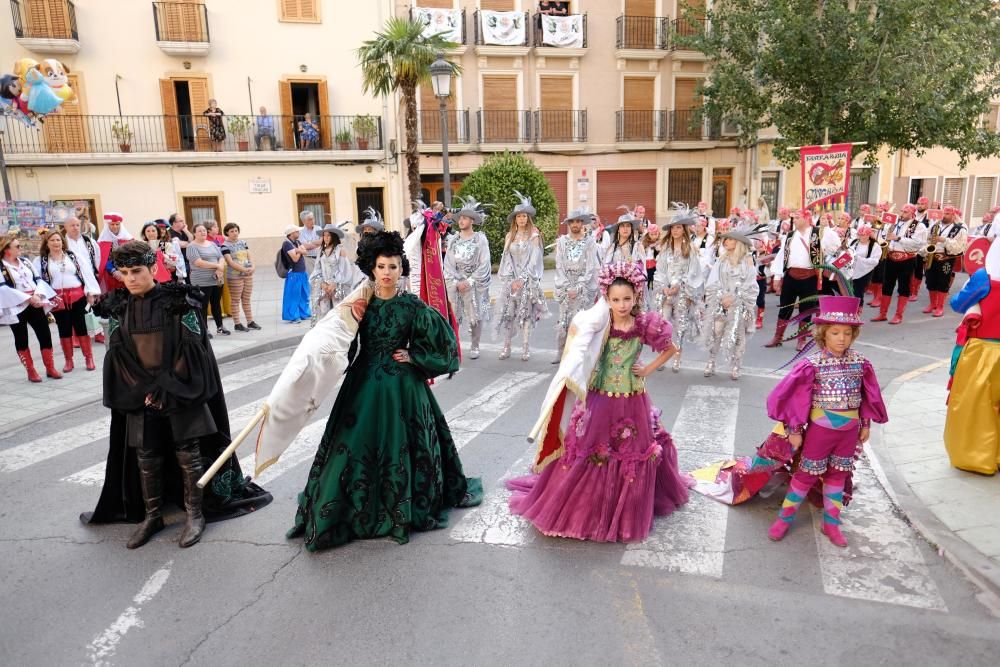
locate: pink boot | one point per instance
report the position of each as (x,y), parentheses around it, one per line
(833,502)
(778,529)
(835,536)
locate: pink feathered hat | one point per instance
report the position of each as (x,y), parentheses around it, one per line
(838,310)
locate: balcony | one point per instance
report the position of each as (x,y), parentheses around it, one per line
(83,139)
(46,26)
(642,37)
(562,37)
(636,127)
(505,39)
(181,28)
(684,125)
(561,127)
(449,22)
(682,30)
(429,130)
(504,127)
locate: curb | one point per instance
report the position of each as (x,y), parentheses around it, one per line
(979,568)
(253,350)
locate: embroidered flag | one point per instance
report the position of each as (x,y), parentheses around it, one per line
(503,28)
(563,31)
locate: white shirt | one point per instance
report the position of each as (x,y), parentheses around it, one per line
(62,274)
(909,244)
(798,254)
(865,258)
(24,279)
(307,235)
(81,249)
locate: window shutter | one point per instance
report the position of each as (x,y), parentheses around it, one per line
(436,4)
(640,7)
(287,121)
(500,115)
(430,116)
(325,138)
(497,5)
(685,97)
(198,90)
(556,93)
(64,131)
(952,192)
(638,122)
(986,188)
(299,10)
(171,126)
(626,187)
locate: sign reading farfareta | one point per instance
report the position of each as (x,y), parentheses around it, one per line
(826,173)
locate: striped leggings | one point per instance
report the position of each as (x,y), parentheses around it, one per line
(240,290)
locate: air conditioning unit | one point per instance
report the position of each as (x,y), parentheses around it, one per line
(730,129)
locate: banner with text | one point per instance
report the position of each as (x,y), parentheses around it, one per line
(826,174)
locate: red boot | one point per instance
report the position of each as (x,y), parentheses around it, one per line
(883,309)
(99,337)
(931,303)
(876,301)
(67,348)
(939,305)
(88,352)
(76,341)
(760,318)
(29,365)
(50,365)
(779,334)
(901,303)
(914,288)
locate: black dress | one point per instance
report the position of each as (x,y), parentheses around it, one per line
(216,130)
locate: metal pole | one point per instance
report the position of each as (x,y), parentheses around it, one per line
(250,93)
(444,152)
(118,96)
(3,172)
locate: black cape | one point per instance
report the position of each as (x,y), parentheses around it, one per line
(190,399)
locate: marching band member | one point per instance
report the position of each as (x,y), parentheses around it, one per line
(920,215)
(730,297)
(467,271)
(987,230)
(679,276)
(521,302)
(835,242)
(867,254)
(905,239)
(795,273)
(949,239)
(784,218)
(577,265)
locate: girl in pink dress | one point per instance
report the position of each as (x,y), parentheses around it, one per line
(607,471)
(827,404)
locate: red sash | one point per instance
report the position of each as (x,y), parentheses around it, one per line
(432,288)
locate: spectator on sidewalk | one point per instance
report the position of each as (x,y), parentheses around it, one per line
(265,128)
(63,271)
(310,238)
(25,301)
(207,269)
(239,277)
(150,233)
(180,233)
(218,239)
(295,298)
(88,254)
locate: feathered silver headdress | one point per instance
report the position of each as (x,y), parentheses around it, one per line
(683,214)
(748,233)
(472,209)
(524,207)
(373,219)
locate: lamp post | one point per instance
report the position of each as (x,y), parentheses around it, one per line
(441,71)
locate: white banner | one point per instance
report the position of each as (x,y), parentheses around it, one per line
(444,22)
(503,28)
(564,31)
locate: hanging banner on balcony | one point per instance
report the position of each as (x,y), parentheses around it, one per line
(826,173)
(503,28)
(34,90)
(562,31)
(446,23)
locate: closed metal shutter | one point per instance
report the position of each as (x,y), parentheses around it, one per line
(558,182)
(986,189)
(953,192)
(625,187)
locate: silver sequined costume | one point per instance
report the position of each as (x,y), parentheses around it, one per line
(727,329)
(518,311)
(330,269)
(683,309)
(577,265)
(468,260)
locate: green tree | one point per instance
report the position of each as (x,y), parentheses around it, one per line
(399,59)
(906,74)
(495,181)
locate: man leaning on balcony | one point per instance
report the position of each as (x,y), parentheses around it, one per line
(265,128)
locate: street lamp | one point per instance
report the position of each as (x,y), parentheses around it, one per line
(441,71)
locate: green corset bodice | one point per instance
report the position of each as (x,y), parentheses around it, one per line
(613,374)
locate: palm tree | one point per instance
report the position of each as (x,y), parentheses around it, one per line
(399,59)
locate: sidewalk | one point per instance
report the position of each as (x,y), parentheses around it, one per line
(957,511)
(25,402)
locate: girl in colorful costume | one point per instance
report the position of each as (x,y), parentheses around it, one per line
(521,302)
(679,277)
(467,271)
(606,465)
(826,405)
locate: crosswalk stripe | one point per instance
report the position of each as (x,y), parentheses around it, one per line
(49,446)
(692,540)
(882,562)
(492,522)
(475,414)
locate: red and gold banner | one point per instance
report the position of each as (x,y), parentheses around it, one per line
(826,174)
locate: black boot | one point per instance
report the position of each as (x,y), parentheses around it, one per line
(151,479)
(191,470)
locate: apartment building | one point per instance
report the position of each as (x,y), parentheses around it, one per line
(136,139)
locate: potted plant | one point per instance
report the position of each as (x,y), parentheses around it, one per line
(343,139)
(123,134)
(365,128)
(239,127)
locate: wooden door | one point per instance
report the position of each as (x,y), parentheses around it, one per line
(198,90)
(430,116)
(325,136)
(722,191)
(500,120)
(171,124)
(47,18)
(556,120)
(201,209)
(65,131)
(287,121)
(638,123)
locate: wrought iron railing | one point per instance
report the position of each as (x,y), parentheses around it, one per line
(683,30)
(180,22)
(690,125)
(504,126)
(641,125)
(476,18)
(24,13)
(567,126)
(539,36)
(642,32)
(69,133)
(465,39)
(429,126)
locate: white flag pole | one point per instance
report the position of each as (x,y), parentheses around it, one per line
(237,441)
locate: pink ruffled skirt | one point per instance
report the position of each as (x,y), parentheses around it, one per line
(618,471)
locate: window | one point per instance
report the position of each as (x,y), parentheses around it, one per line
(684,185)
(497,5)
(953,192)
(986,190)
(686,102)
(200,209)
(638,118)
(84,209)
(318,203)
(770,182)
(990,122)
(374,197)
(501,120)
(181,21)
(429,127)
(555,122)
(922,187)
(299,11)
(860,190)
(65,132)
(52,19)
(184,102)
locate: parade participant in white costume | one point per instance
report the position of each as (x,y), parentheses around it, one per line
(625,245)
(577,264)
(467,271)
(679,278)
(332,273)
(521,302)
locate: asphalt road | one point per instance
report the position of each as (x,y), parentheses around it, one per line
(708,586)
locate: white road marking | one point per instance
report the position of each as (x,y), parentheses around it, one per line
(692,540)
(94,475)
(55,444)
(895,350)
(882,562)
(475,414)
(492,522)
(103,647)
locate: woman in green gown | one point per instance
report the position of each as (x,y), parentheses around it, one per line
(387,463)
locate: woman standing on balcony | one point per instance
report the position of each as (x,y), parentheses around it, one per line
(216,130)
(521,301)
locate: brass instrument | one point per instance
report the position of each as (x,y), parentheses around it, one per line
(932,248)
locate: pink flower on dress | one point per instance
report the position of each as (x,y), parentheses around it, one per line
(623,432)
(603,450)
